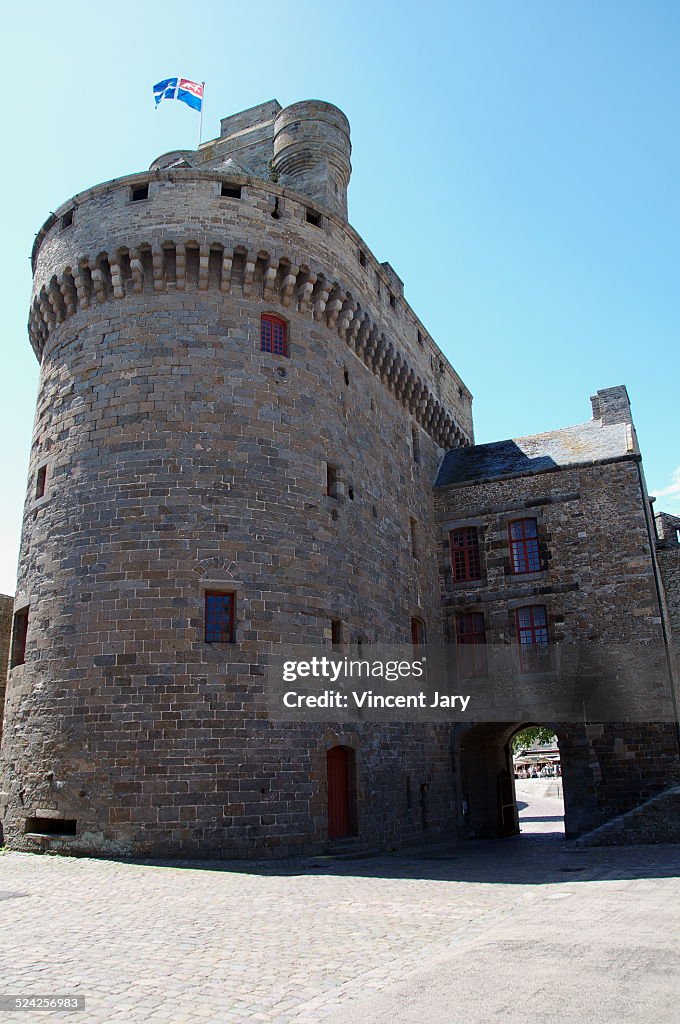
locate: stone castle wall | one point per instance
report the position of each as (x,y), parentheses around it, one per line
(180,458)
(598,586)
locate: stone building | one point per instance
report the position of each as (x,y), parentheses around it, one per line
(238,427)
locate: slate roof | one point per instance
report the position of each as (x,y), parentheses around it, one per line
(583,444)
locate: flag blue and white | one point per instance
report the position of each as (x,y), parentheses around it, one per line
(182,89)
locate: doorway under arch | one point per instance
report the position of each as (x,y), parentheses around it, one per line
(341,782)
(487,782)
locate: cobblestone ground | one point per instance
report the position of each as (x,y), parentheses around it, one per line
(294,943)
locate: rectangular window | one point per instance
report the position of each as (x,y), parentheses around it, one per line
(465,558)
(139,192)
(532,633)
(273,335)
(219,618)
(40,481)
(393,301)
(362,258)
(312,217)
(66,220)
(420,339)
(19,634)
(524,552)
(331,480)
(417,632)
(336,632)
(471,640)
(230,191)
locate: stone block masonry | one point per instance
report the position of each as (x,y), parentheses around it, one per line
(178,455)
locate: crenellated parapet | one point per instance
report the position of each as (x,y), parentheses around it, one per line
(231,267)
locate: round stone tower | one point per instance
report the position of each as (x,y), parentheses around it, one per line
(238,421)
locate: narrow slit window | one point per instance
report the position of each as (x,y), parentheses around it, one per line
(331,480)
(415,444)
(273,335)
(19,634)
(413,536)
(219,618)
(417,632)
(336,632)
(393,301)
(40,482)
(420,339)
(362,259)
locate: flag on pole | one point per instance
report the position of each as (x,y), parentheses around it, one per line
(182,89)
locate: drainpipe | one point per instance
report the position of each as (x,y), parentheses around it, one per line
(659,597)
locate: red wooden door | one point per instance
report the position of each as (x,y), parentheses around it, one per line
(338,793)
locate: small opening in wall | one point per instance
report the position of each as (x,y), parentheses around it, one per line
(412,527)
(393,301)
(336,632)
(40,480)
(67,220)
(19,633)
(139,192)
(230,191)
(362,259)
(350,493)
(415,443)
(420,339)
(460,391)
(331,480)
(346,375)
(51,826)
(275,212)
(375,512)
(312,217)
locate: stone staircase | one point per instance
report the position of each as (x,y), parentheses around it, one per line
(351,848)
(655,821)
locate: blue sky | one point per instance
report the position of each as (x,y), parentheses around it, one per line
(517,163)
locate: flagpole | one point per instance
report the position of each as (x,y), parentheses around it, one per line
(200,123)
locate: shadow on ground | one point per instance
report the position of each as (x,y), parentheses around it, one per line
(541,859)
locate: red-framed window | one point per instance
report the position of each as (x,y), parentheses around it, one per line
(470,641)
(532,633)
(219,618)
(465,560)
(273,335)
(524,552)
(417,632)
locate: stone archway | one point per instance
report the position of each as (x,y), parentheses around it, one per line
(487,785)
